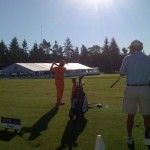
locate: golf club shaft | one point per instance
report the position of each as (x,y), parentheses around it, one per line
(58,65)
(115,82)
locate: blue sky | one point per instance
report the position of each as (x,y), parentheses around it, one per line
(86,22)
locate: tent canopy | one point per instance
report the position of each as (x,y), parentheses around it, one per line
(34,67)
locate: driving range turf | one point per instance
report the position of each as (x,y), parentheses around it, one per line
(46,127)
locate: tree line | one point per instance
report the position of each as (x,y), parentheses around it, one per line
(107,57)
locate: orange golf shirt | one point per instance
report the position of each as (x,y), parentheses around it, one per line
(59,72)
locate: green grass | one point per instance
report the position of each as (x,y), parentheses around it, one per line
(44,127)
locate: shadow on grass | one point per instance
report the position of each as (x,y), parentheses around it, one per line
(40,125)
(73,129)
(7,135)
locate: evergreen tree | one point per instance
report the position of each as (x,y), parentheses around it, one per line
(84,51)
(15,51)
(57,52)
(4,55)
(24,51)
(115,56)
(106,57)
(46,50)
(106,47)
(75,55)
(33,55)
(84,55)
(68,49)
(56,49)
(37,54)
(46,46)
(24,45)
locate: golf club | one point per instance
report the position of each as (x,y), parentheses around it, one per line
(115,82)
(58,64)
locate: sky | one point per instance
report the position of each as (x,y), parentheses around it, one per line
(85,22)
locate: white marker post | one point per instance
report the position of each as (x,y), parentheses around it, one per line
(99,143)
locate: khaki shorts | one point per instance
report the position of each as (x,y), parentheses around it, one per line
(136,99)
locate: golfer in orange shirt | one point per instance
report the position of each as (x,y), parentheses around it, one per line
(59,71)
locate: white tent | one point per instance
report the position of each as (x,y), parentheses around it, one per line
(41,67)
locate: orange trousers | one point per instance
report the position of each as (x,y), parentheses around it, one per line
(60,90)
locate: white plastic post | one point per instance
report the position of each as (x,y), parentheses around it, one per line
(147,142)
(99,143)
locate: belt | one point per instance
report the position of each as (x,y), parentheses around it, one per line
(138,84)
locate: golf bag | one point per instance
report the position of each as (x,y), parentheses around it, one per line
(79,103)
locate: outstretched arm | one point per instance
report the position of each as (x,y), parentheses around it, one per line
(52,66)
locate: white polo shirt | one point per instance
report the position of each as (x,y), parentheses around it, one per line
(136,67)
